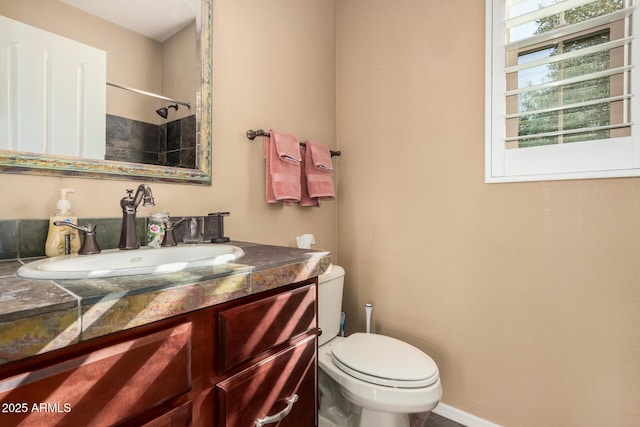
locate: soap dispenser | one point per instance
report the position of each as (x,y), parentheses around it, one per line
(62,240)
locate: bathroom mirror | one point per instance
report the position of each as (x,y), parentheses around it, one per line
(196,105)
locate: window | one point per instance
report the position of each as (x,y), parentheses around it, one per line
(559,90)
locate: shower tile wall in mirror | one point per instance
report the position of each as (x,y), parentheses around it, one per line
(169,144)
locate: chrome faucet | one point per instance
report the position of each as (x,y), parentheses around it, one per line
(129,204)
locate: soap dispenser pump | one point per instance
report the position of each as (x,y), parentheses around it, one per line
(62,240)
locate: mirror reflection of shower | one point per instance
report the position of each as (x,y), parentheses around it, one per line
(169,139)
(164,111)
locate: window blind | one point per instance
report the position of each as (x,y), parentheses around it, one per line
(568,68)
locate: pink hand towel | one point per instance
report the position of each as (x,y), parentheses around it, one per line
(305,198)
(321,156)
(319,181)
(282,154)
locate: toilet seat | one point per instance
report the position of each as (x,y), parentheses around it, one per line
(383,360)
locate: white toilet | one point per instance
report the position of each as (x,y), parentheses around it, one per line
(368,380)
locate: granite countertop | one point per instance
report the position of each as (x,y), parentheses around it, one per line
(37,316)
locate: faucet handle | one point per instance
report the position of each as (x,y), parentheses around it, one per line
(87,228)
(90,244)
(169,239)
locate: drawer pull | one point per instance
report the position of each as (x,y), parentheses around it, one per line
(280,415)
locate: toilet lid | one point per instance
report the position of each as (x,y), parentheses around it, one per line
(383,360)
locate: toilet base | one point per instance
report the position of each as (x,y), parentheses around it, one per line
(371,418)
(337,410)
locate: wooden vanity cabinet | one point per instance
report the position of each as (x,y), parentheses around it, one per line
(226,365)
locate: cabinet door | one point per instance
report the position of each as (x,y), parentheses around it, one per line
(263,389)
(102,387)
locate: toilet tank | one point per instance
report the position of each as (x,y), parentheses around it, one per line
(330,285)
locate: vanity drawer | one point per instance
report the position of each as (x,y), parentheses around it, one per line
(104,386)
(247,330)
(286,379)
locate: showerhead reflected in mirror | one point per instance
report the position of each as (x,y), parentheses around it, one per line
(164,111)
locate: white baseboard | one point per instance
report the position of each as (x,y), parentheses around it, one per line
(462,417)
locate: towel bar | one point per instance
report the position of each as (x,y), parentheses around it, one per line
(252,134)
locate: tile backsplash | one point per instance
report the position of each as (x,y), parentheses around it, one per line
(25,238)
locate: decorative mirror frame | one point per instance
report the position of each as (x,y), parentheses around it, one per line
(48,165)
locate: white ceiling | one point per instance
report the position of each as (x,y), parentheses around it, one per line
(157,19)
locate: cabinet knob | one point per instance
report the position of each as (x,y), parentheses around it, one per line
(319,331)
(280,415)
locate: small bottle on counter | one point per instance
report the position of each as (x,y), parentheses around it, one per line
(62,240)
(156,228)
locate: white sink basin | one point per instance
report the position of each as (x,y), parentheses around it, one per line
(115,262)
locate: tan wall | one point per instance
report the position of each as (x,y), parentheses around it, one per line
(527,295)
(179,76)
(279,76)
